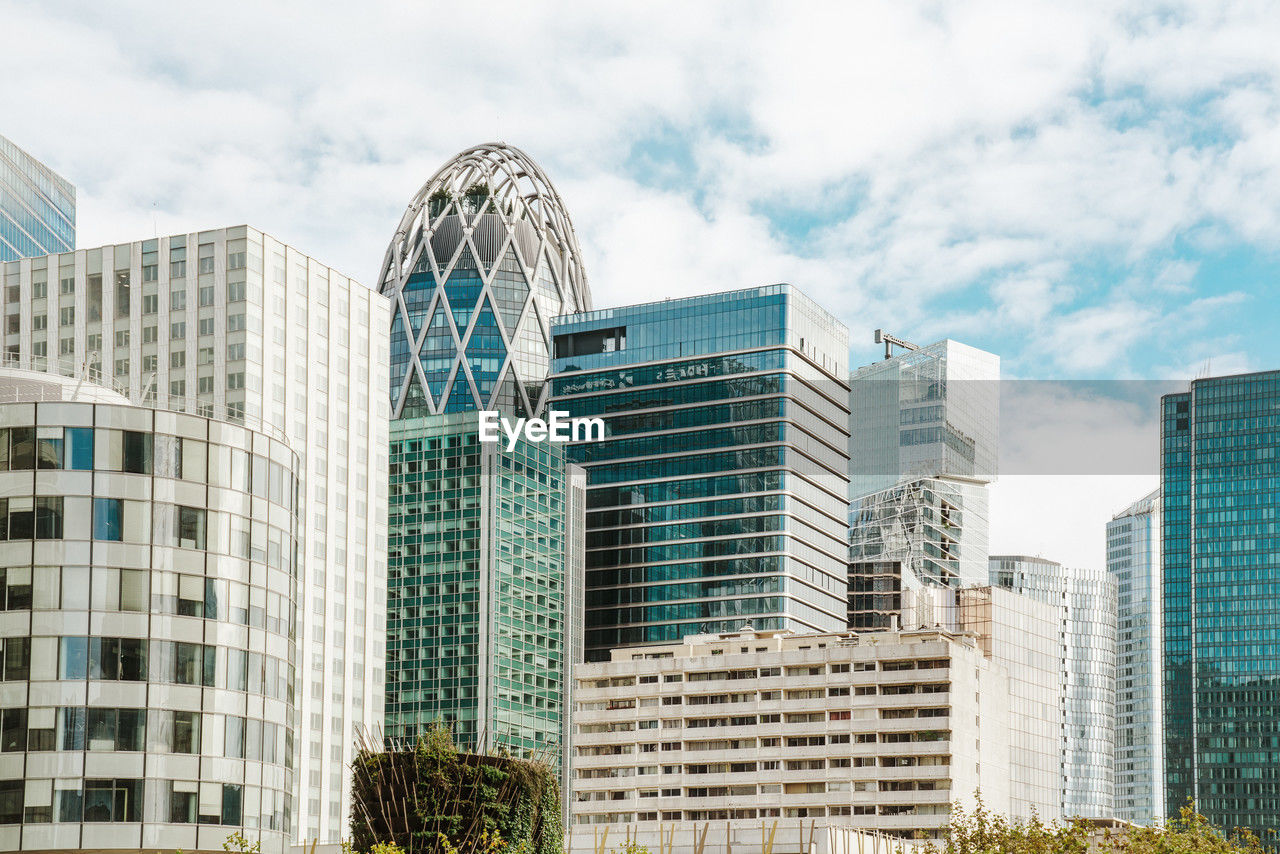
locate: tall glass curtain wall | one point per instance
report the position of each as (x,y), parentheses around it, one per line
(719,494)
(1220,482)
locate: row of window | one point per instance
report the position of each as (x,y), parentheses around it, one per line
(77,588)
(121,800)
(74,728)
(141,660)
(138,452)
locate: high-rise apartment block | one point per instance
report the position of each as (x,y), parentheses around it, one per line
(149,577)
(882,731)
(1220,463)
(924,428)
(1087,602)
(485,589)
(233,325)
(718,496)
(37,206)
(1133,558)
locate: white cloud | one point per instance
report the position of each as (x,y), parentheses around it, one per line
(972,154)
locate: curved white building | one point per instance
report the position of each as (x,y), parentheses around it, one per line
(482,260)
(148,582)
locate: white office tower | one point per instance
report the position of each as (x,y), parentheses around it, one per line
(883,731)
(1087,599)
(1133,558)
(232,324)
(924,429)
(1024,635)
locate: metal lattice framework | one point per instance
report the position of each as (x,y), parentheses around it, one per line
(482,260)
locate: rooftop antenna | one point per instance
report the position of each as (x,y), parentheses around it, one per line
(891,341)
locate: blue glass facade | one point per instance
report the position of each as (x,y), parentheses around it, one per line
(1220,487)
(37,207)
(719,495)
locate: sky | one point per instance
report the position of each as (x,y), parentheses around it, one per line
(1089,189)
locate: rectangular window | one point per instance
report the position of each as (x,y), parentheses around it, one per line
(122,338)
(191,525)
(178,330)
(178,359)
(150,303)
(13,730)
(108,519)
(206,326)
(94,297)
(67,316)
(40,322)
(16,659)
(118,659)
(235,352)
(235,291)
(177,300)
(150,334)
(11,798)
(206,257)
(206,295)
(73,658)
(236,322)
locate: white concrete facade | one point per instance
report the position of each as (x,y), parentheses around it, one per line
(232,323)
(882,731)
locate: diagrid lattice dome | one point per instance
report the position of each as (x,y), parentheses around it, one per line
(484,257)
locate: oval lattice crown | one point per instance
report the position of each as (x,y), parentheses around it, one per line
(482,260)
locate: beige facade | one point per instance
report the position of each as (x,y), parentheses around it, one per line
(881,731)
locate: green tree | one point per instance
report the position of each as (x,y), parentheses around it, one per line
(983,832)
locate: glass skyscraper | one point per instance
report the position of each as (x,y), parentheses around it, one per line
(1087,602)
(1220,560)
(37,207)
(478,628)
(1133,558)
(484,591)
(922,448)
(924,413)
(719,496)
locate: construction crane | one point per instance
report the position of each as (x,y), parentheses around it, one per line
(891,341)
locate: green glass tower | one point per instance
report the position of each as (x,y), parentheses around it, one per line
(477,594)
(1220,501)
(484,541)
